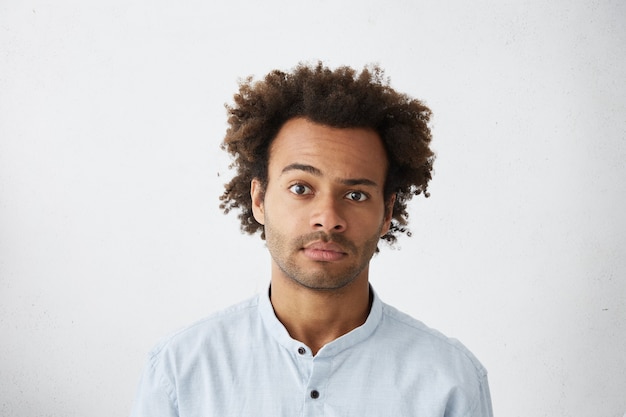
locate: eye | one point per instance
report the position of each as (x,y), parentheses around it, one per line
(300,189)
(356,196)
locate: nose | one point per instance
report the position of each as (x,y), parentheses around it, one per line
(326,216)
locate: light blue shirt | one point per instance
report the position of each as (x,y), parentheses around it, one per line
(242,362)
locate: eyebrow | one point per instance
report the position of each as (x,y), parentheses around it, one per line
(318,173)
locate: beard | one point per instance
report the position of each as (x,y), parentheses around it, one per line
(319,275)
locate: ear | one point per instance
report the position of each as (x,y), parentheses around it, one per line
(388,214)
(257,192)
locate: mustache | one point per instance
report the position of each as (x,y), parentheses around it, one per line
(339,239)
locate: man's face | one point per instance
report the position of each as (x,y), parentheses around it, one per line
(323,208)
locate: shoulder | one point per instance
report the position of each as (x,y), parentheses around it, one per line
(428,342)
(211,331)
(441,362)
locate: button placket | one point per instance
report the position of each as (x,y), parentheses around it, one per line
(314,394)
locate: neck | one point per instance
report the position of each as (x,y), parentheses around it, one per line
(317,317)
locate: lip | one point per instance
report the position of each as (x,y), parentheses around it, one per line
(324,251)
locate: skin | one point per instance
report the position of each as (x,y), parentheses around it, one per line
(323,211)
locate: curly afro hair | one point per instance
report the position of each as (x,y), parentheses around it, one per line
(338,98)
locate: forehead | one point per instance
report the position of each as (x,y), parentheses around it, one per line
(338,152)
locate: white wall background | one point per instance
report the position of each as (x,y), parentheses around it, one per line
(111,115)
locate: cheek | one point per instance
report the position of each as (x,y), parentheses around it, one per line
(285,210)
(283,219)
(375,218)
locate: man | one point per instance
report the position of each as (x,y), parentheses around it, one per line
(326,162)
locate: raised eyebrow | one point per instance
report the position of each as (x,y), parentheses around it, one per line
(302,167)
(318,173)
(358,181)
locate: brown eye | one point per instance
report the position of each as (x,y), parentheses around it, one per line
(356,196)
(300,189)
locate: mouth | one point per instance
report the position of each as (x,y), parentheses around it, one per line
(324,252)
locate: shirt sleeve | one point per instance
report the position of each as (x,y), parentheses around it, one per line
(483,404)
(155,395)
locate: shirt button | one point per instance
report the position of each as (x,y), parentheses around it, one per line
(315,394)
(301,350)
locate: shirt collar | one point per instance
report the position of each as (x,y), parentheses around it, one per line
(357,335)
